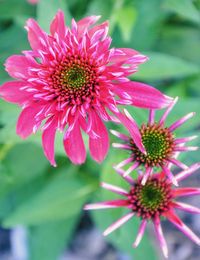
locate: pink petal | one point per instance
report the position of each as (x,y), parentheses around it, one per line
(182,227)
(118,223)
(48,139)
(160,236)
(85,23)
(36,36)
(170,175)
(98,146)
(27,121)
(114,189)
(184,174)
(146,175)
(186,207)
(131,168)
(99,31)
(74,145)
(140,233)
(132,127)
(168,110)
(121,172)
(178,163)
(186,192)
(33,1)
(120,135)
(142,95)
(151,116)
(185,139)
(181,121)
(123,163)
(186,148)
(106,204)
(58,25)
(123,54)
(10,91)
(17,66)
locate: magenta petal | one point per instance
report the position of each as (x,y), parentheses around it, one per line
(48,139)
(143,95)
(182,227)
(58,25)
(26,121)
(98,146)
(36,37)
(83,24)
(186,207)
(133,129)
(160,236)
(106,204)
(17,66)
(186,192)
(140,233)
(123,54)
(74,145)
(10,91)
(118,223)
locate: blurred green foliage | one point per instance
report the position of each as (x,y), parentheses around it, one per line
(49,200)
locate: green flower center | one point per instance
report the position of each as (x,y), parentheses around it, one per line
(152,198)
(158,142)
(74,81)
(75,77)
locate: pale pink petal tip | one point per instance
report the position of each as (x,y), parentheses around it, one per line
(118,223)
(168,110)
(140,233)
(170,176)
(181,121)
(114,189)
(160,237)
(184,174)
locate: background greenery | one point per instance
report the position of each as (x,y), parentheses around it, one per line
(49,201)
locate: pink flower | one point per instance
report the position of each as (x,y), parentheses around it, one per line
(151,202)
(33,1)
(159,141)
(69,80)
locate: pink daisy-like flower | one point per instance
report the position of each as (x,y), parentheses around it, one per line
(33,1)
(69,80)
(152,201)
(159,141)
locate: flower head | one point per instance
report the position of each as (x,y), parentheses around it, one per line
(160,144)
(33,1)
(152,201)
(70,80)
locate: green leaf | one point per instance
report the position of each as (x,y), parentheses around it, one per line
(50,8)
(125,18)
(21,164)
(180,41)
(164,66)
(61,197)
(47,241)
(12,8)
(184,8)
(148,24)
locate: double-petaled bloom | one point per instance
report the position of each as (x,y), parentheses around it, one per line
(152,201)
(70,80)
(160,143)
